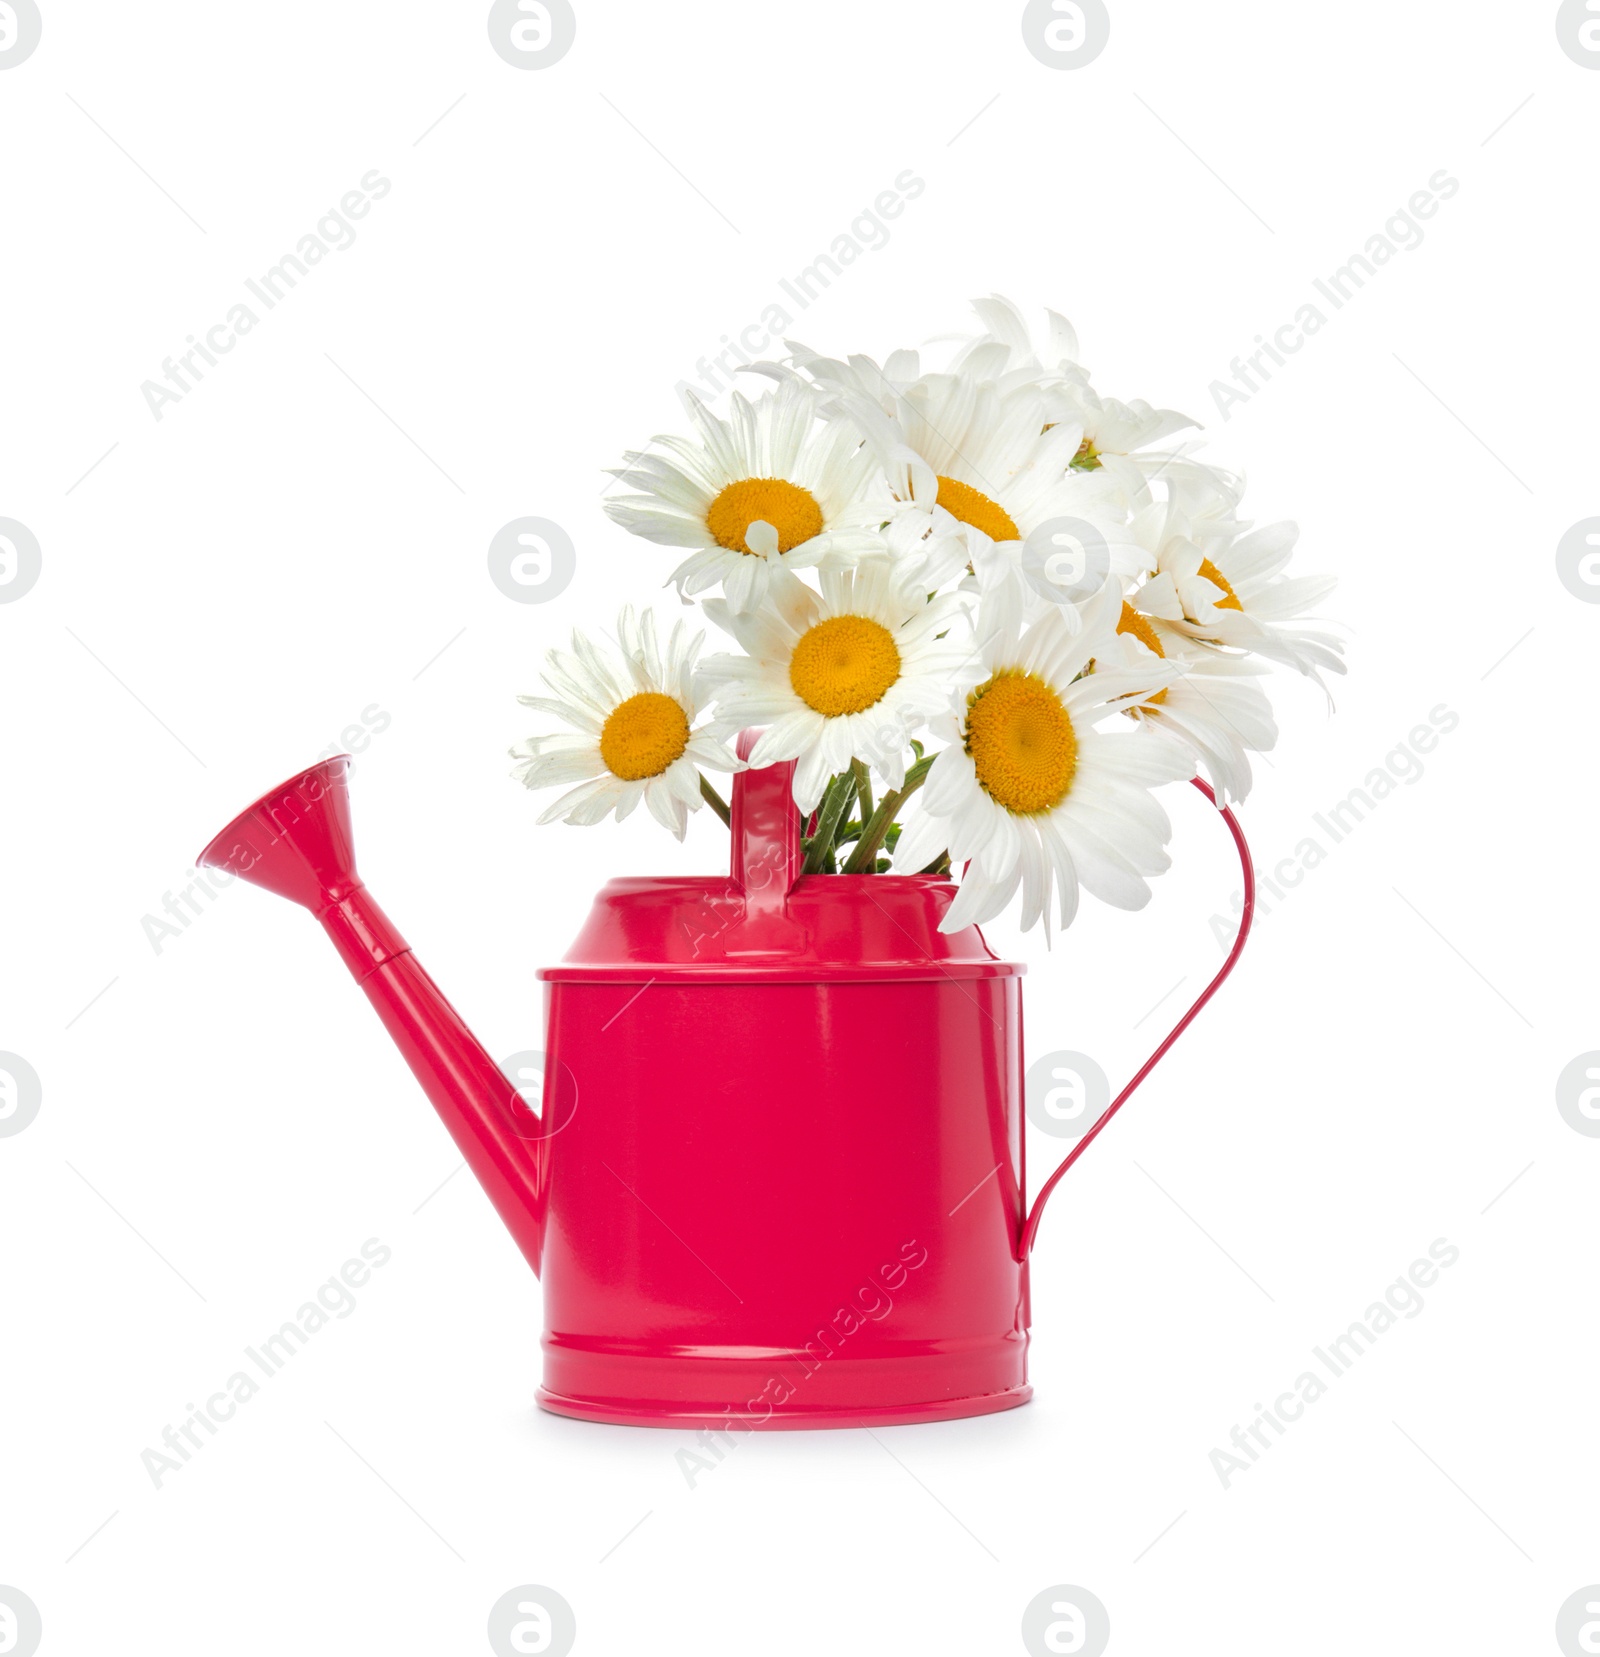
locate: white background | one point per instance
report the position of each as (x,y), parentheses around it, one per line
(303,535)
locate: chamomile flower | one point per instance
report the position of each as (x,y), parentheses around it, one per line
(1216,709)
(1030,793)
(771,483)
(1220,581)
(1113,432)
(846,673)
(633,713)
(982,480)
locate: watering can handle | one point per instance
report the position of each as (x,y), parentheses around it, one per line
(1031,1229)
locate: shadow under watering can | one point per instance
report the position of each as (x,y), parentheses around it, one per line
(778,1180)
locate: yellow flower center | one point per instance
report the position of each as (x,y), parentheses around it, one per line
(1229,599)
(643,736)
(1021,742)
(972,506)
(1087,459)
(791,510)
(1132,622)
(844,665)
(1139,626)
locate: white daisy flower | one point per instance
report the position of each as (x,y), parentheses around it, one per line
(1029,794)
(1220,581)
(1113,432)
(633,715)
(848,673)
(982,479)
(771,482)
(1216,710)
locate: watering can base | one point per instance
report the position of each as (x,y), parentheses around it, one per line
(781,1389)
(780,1419)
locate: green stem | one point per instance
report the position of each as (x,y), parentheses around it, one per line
(715,801)
(866,853)
(834,801)
(863,789)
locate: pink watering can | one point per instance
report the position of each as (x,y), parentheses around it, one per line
(778,1180)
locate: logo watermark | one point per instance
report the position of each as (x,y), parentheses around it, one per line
(21,1626)
(1577,1623)
(1066,1620)
(1066,560)
(532,1619)
(1577,1096)
(1066,34)
(1066,1093)
(20,558)
(532,560)
(541,1114)
(20,29)
(21,1094)
(1578,30)
(532,34)
(1577,560)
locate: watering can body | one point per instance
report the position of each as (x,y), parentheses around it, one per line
(786,1171)
(777,1175)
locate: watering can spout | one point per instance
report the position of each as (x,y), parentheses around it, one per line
(296,842)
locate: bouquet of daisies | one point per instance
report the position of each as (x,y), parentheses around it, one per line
(985,611)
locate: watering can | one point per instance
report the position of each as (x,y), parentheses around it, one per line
(778,1178)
